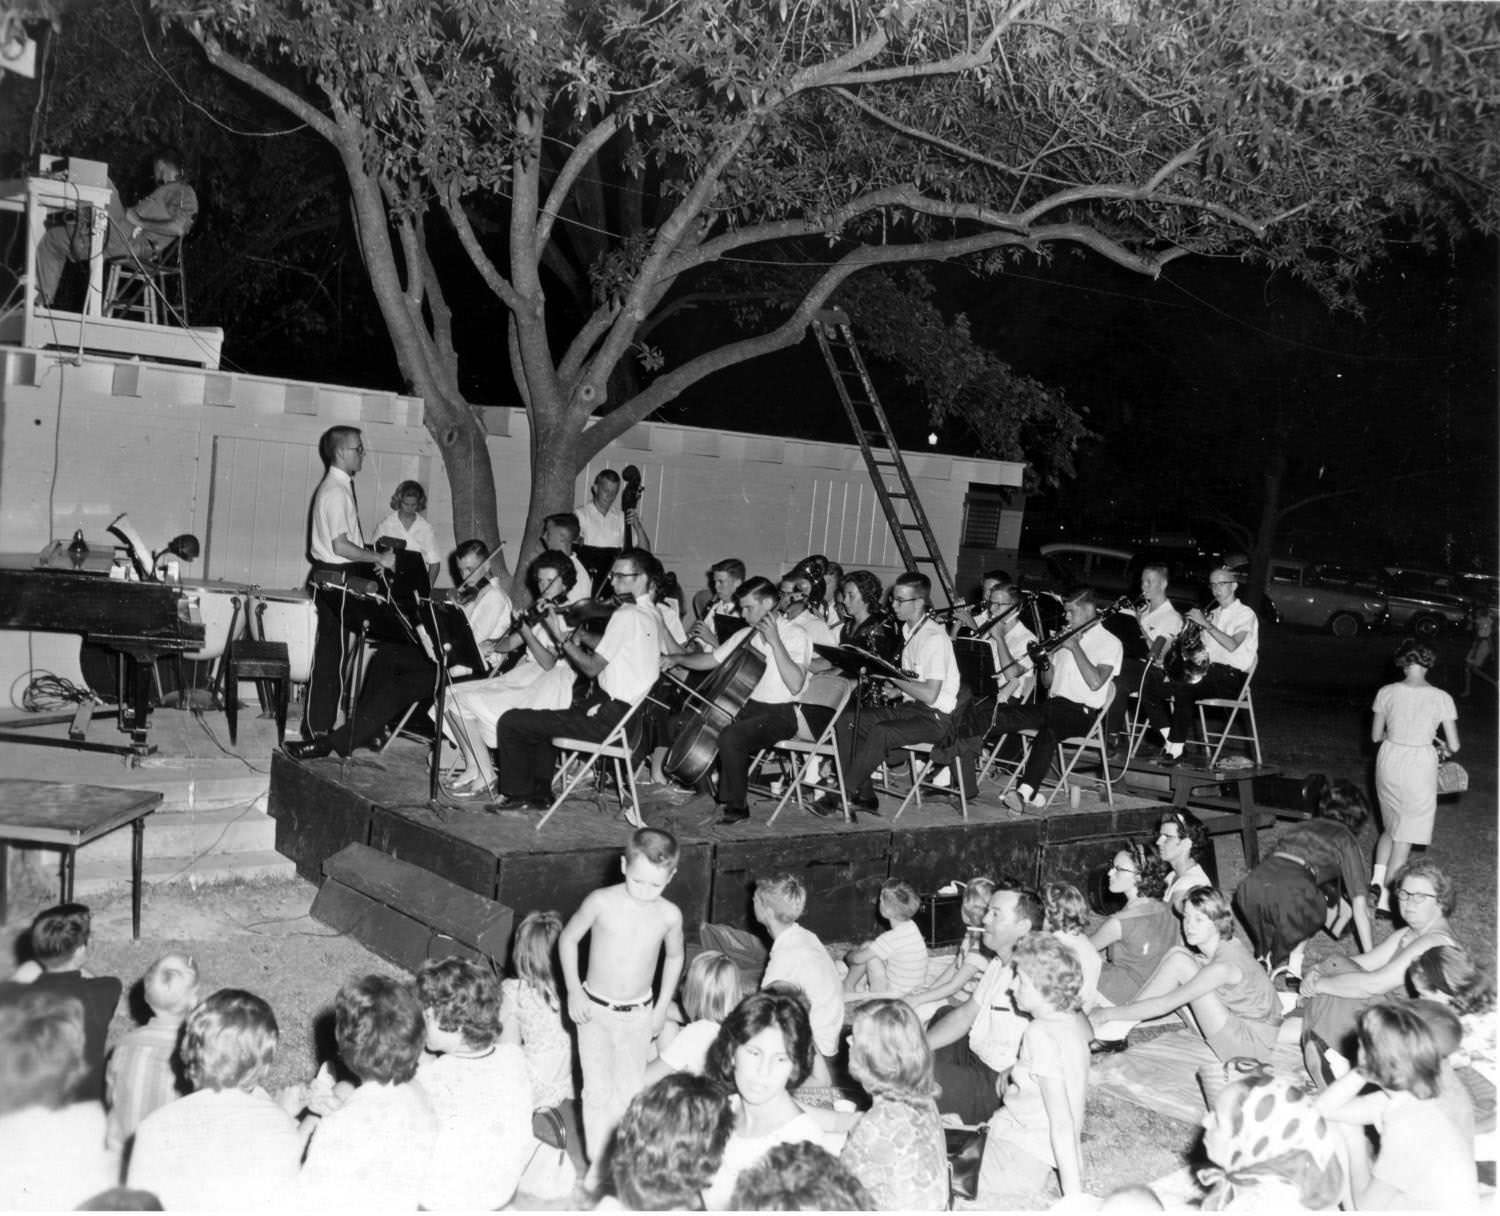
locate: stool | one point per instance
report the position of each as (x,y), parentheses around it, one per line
(266,663)
(152,289)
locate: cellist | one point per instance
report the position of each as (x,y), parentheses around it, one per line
(769,715)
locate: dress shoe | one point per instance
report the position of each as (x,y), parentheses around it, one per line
(731,815)
(1168,760)
(311,749)
(515,802)
(1107,1047)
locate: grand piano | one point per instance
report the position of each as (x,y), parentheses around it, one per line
(58,591)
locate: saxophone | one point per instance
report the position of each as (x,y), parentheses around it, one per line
(1186,659)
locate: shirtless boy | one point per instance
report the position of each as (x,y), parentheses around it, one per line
(614,1010)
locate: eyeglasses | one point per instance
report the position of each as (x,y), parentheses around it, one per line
(1221,582)
(360,448)
(624,573)
(1122,870)
(1413,896)
(906,599)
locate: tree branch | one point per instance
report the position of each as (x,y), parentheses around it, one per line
(583,152)
(488,271)
(237,68)
(951,66)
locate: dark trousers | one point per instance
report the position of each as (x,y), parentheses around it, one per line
(397,676)
(1053,719)
(1129,681)
(758,725)
(865,738)
(523,741)
(1220,680)
(321,708)
(969,1084)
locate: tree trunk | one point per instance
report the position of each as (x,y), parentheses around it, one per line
(1265,534)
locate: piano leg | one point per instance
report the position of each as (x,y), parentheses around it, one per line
(135,699)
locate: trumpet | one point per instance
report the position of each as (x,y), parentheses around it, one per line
(952,610)
(1040,653)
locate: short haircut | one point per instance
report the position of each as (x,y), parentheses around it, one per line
(121,1199)
(534,954)
(229,1041)
(1412,651)
(902,896)
(1082,595)
(646,563)
(757,1012)
(1451,972)
(919,583)
(656,845)
(170,984)
(333,439)
(1397,1050)
(1067,909)
(1234,574)
(783,896)
(413,488)
(867,585)
(463,996)
(1214,904)
(41,1051)
(799,1177)
(59,932)
(711,988)
(1001,578)
(670,1142)
(606,475)
(1159,568)
(1029,906)
(474,547)
(171,155)
(888,1051)
(1344,802)
(565,520)
(379,1027)
(731,566)
(1192,830)
(1442,885)
(976,901)
(551,559)
(1152,873)
(757,588)
(1052,967)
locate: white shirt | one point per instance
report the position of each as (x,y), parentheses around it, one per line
(52,1160)
(1233,618)
(1103,649)
(799,958)
(584,588)
(928,651)
(372,1153)
(631,649)
(1017,639)
(816,628)
(671,621)
(333,515)
(483,1107)
(1163,621)
(995,1036)
(598,529)
(419,538)
(771,689)
(1182,884)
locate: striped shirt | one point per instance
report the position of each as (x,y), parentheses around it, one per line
(140,1078)
(904,953)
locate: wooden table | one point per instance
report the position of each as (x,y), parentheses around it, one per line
(1193,786)
(66,817)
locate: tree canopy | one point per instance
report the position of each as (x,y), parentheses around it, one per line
(663,142)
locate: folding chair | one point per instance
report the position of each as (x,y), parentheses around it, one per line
(990,757)
(1234,705)
(1092,740)
(615,747)
(920,755)
(833,692)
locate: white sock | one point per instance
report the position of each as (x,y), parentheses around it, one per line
(1377,875)
(1172,749)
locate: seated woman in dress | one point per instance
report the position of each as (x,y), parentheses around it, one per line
(538,681)
(897,1149)
(1214,984)
(763,1052)
(1339,988)
(1136,938)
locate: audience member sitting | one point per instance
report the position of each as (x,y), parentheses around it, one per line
(956,982)
(1271,1150)
(1067,917)
(59,942)
(799,957)
(896,961)
(1215,979)
(896,1149)
(799,1177)
(1340,987)
(1424,1162)
(1183,842)
(1447,975)
(763,1052)
(669,1144)
(1037,1131)
(228,1144)
(710,991)
(52,1152)
(1135,939)
(478,1087)
(141,1075)
(372,1150)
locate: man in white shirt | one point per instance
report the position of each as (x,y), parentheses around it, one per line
(1010,639)
(725,576)
(769,715)
(794,597)
(624,667)
(335,542)
(1160,622)
(924,713)
(1078,683)
(798,957)
(1231,636)
(560,532)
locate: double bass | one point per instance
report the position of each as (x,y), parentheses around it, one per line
(720,698)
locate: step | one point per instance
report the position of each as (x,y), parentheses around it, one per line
(181,833)
(111,874)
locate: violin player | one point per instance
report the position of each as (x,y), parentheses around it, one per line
(1077,680)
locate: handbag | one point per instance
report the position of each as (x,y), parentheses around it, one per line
(965,1152)
(1452,778)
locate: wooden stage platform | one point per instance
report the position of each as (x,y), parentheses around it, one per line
(381,801)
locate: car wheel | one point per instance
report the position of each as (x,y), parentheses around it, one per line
(1344,625)
(1427,626)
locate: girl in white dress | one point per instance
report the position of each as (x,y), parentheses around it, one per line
(1407,716)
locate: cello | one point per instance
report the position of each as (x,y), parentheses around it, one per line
(721,697)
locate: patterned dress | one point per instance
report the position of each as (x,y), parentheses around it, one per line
(545,1040)
(898,1151)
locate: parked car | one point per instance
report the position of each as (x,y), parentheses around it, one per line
(1473,590)
(1305,594)
(1415,607)
(1115,572)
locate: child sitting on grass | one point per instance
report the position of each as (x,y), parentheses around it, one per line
(895,963)
(799,958)
(478,1087)
(956,982)
(1067,920)
(372,1150)
(227,1144)
(140,1076)
(710,991)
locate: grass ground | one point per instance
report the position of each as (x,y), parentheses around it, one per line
(1312,694)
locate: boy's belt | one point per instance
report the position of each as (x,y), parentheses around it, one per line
(619,1006)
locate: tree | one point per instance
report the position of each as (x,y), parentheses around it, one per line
(864,134)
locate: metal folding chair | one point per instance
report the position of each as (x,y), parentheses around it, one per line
(831,691)
(581,755)
(1214,745)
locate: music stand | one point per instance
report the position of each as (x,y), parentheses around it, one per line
(1132,634)
(454,646)
(856,662)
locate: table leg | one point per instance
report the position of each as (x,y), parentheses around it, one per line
(1249,824)
(137,842)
